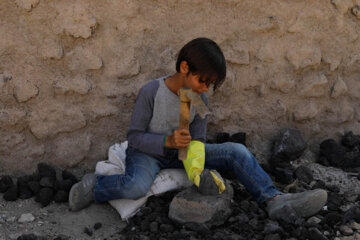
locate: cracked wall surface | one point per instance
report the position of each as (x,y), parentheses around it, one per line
(70,70)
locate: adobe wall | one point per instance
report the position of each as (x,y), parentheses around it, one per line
(70,70)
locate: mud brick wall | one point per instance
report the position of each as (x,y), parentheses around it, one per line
(70,70)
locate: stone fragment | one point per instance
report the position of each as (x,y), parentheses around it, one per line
(25,90)
(82,59)
(354,225)
(239,137)
(222,137)
(333,152)
(275,236)
(29,236)
(47,182)
(346,231)
(11,116)
(6,182)
(282,84)
(304,174)
(64,185)
(350,140)
(45,170)
(314,85)
(289,216)
(272,227)
(305,112)
(335,177)
(353,214)
(313,220)
(355,10)
(45,196)
(61,196)
(287,146)
(51,49)
(304,57)
(26,217)
(342,5)
(207,184)
(34,186)
(189,206)
(339,88)
(75,20)
(11,194)
(237,54)
(154,227)
(52,118)
(27,4)
(315,234)
(66,174)
(79,84)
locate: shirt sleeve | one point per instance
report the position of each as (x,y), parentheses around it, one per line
(137,135)
(198,125)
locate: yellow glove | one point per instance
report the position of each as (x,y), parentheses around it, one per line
(195,161)
(194,165)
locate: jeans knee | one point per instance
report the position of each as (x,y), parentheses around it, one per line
(136,190)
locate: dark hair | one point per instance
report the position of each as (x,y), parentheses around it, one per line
(204,57)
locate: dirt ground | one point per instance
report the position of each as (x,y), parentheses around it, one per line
(56,219)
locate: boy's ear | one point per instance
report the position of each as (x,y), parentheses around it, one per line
(184,67)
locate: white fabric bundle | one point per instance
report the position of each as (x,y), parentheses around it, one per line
(166,180)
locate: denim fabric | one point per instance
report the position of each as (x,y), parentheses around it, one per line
(142,168)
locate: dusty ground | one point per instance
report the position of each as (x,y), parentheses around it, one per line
(56,219)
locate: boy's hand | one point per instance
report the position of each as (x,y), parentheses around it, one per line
(179,139)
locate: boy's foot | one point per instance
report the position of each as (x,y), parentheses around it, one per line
(305,204)
(81,194)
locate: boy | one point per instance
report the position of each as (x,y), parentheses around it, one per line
(154,140)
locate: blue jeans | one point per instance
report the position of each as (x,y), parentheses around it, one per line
(142,168)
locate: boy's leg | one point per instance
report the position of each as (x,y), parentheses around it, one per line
(140,173)
(236,157)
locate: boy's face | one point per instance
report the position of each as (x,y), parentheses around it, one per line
(196,83)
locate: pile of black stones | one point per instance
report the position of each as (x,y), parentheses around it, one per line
(43,184)
(249,220)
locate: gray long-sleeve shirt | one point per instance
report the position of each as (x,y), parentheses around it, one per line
(156,114)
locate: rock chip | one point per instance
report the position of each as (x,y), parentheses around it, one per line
(340,88)
(314,85)
(287,146)
(11,194)
(45,170)
(6,182)
(313,220)
(45,196)
(190,206)
(304,57)
(315,234)
(25,90)
(52,118)
(304,174)
(61,196)
(26,217)
(346,231)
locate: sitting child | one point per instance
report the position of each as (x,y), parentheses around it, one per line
(154,139)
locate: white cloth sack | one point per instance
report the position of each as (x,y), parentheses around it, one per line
(166,180)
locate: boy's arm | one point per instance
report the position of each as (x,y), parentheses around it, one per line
(198,125)
(137,135)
